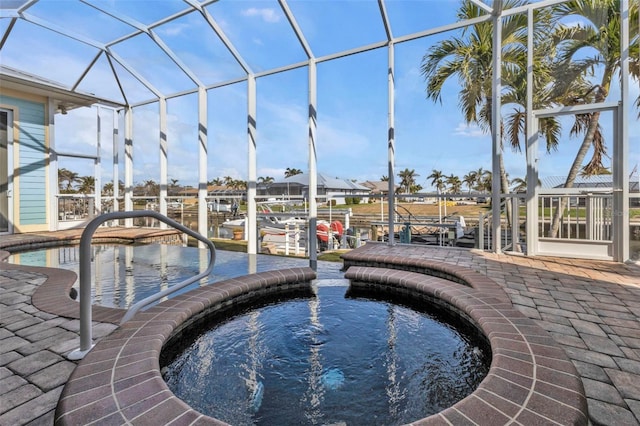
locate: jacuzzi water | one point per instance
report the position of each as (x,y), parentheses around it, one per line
(123,275)
(339,357)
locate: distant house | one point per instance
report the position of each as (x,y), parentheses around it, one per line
(226,192)
(188,192)
(297,186)
(378,187)
(602,182)
(596,181)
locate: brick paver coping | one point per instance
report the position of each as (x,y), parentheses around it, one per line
(53,295)
(104,235)
(530,381)
(119,380)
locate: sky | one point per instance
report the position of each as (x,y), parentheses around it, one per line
(352,94)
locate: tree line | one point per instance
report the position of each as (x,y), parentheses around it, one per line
(476,180)
(70,182)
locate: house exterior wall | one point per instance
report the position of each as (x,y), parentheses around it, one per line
(30,160)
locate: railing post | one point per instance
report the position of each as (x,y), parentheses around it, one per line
(589,217)
(286,239)
(481,231)
(515,223)
(86,339)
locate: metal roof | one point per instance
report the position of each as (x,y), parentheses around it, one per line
(324,181)
(596,181)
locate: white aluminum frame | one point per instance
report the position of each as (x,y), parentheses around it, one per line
(10,169)
(619,247)
(495,13)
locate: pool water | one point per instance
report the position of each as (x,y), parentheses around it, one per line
(125,274)
(334,356)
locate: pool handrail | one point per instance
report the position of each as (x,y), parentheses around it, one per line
(86,338)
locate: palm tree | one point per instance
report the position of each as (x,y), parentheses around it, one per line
(384,178)
(238,184)
(519,184)
(485,181)
(408,180)
(469,58)
(544,95)
(584,47)
(455,184)
(469,179)
(87,184)
(173,187)
(151,188)
(598,171)
(107,188)
(67,176)
(479,175)
(266,179)
(216,181)
(292,172)
(437,180)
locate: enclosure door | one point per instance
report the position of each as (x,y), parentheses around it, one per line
(589,227)
(5,169)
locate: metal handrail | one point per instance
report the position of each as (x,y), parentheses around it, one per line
(85,273)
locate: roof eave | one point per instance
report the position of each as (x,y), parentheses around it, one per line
(61,96)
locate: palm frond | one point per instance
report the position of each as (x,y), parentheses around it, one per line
(551,130)
(515,126)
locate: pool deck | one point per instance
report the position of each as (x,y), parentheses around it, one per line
(590,308)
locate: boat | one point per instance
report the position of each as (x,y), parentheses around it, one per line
(285,231)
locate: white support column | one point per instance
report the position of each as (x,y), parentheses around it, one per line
(621,148)
(620,216)
(495,125)
(53,188)
(313,172)
(128,164)
(98,167)
(202,156)
(391,147)
(532,150)
(115,161)
(164,162)
(251,218)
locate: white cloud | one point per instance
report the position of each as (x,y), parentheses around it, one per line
(174,30)
(267,14)
(469,130)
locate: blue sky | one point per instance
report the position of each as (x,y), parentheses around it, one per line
(352,91)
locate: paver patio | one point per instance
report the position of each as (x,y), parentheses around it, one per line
(590,308)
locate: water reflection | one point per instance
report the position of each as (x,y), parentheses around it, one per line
(314,393)
(332,358)
(123,275)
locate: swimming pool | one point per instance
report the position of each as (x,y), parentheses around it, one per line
(125,274)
